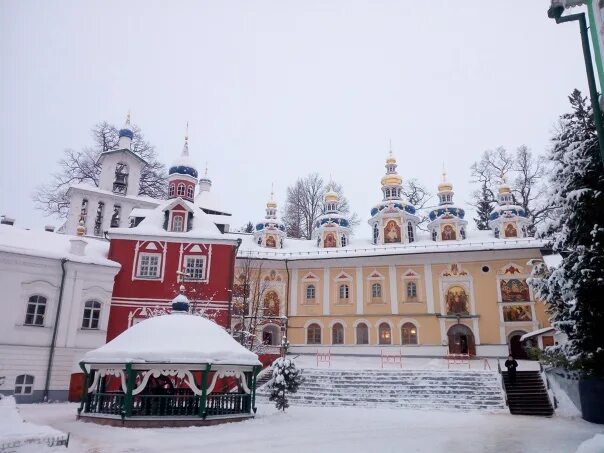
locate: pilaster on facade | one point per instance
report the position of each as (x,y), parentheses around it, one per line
(326,291)
(476,330)
(393,289)
(359,292)
(428,282)
(294,293)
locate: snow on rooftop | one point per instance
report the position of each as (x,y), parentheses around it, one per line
(552,261)
(307,249)
(207,199)
(153,223)
(138,198)
(536,333)
(45,244)
(174,338)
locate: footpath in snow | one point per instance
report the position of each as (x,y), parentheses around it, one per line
(317,429)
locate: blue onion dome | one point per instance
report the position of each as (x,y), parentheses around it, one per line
(126,130)
(184,164)
(180,304)
(398,204)
(506,204)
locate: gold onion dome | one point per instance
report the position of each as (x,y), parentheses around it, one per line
(504,188)
(392,179)
(445,186)
(330,195)
(271,204)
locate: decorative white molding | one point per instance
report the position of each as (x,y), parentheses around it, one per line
(428,283)
(393,289)
(326,291)
(294,292)
(359,292)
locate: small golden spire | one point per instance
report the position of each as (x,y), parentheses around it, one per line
(444,173)
(128,118)
(206,172)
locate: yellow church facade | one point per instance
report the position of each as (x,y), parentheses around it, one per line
(448,291)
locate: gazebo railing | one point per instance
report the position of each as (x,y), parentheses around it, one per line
(105,403)
(228,404)
(166,405)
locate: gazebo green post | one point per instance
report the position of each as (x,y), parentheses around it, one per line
(129,384)
(255,372)
(84,387)
(204,391)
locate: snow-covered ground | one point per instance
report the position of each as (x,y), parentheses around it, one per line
(313,429)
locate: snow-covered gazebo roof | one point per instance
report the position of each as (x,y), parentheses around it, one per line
(176,338)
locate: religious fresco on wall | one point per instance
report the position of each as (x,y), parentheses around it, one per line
(514,290)
(270,241)
(330,240)
(511,231)
(448,233)
(271,304)
(392,232)
(456,300)
(513,313)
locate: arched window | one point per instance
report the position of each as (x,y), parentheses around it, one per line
(387,193)
(408,333)
(260,241)
(343,240)
(385,334)
(496,232)
(36,309)
(462,232)
(177,222)
(92,313)
(190,191)
(181,190)
(337,334)
(410,232)
(376,233)
(411,290)
(24,384)
(115,217)
(120,183)
(362,333)
(344,291)
(171,190)
(376,291)
(310,292)
(313,334)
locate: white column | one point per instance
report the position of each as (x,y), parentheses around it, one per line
(502,336)
(393,289)
(326,291)
(429,287)
(294,293)
(476,330)
(359,278)
(443,332)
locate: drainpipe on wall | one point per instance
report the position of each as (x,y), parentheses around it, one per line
(287,300)
(230,314)
(54,331)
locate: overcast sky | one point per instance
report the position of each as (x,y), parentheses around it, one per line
(276,89)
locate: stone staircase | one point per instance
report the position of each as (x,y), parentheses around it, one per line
(415,389)
(528,396)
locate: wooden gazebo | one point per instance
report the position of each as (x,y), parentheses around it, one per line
(171,370)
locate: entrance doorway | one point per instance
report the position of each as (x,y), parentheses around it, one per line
(461,340)
(270,335)
(516,348)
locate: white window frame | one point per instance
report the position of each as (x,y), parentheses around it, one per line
(314,292)
(23,385)
(36,304)
(344,287)
(139,266)
(180,190)
(403,324)
(373,293)
(172,190)
(204,260)
(94,309)
(180,220)
(190,192)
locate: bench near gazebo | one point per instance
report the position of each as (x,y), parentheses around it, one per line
(172,370)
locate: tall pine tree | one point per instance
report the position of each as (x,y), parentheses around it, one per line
(574,291)
(484,207)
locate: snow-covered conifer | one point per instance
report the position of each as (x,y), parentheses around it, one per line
(286,378)
(574,291)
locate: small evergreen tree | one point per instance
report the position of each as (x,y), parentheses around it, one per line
(248,228)
(286,379)
(573,291)
(484,208)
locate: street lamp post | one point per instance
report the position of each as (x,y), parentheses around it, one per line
(555,12)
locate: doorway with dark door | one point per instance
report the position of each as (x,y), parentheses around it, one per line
(516,347)
(461,340)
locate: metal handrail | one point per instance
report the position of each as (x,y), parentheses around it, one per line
(505,393)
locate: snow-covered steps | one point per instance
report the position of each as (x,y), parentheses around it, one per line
(417,389)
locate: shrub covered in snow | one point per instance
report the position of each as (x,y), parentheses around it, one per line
(573,291)
(286,378)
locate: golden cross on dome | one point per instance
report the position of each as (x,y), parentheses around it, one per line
(206,173)
(390,147)
(128,117)
(187,133)
(444,173)
(272,191)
